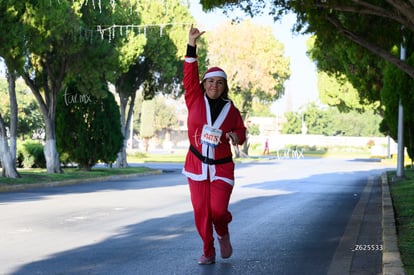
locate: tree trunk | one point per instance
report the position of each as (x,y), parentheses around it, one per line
(9,166)
(52,157)
(246,106)
(146,144)
(121,161)
(126,117)
(7,161)
(48,108)
(8,153)
(11,78)
(50,149)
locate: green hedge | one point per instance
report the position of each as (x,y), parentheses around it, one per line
(30,155)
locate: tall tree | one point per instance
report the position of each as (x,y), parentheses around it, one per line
(59,42)
(10,43)
(147,130)
(127,80)
(157,62)
(398,85)
(256,68)
(165,115)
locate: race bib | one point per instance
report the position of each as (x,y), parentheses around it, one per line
(211,136)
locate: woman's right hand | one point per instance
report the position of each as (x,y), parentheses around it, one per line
(193,35)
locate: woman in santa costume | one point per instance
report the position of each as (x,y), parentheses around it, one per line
(213,122)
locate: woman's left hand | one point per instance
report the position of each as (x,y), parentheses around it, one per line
(233,137)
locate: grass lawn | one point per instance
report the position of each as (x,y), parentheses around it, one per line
(142,158)
(402,193)
(35,176)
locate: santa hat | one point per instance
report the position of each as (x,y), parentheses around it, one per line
(213,72)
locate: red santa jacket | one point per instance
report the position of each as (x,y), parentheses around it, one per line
(229,120)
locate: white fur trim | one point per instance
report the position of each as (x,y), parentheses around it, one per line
(215,73)
(190,59)
(229,181)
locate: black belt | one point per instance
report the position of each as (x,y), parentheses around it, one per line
(207,160)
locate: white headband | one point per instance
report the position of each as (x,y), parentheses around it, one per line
(215,73)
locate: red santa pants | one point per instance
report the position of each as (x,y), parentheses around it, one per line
(210,203)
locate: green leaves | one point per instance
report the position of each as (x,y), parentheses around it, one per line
(88,127)
(253,60)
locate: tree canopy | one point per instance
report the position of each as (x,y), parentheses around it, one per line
(398,86)
(133,44)
(352,38)
(256,68)
(50,43)
(355,40)
(378,27)
(340,93)
(330,121)
(355,70)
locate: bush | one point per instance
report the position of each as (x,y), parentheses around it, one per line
(64,159)
(30,155)
(88,131)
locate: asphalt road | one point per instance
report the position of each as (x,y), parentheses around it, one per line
(289,217)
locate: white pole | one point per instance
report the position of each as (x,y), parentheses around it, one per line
(400,160)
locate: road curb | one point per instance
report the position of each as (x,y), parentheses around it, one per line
(391,257)
(20,187)
(342,261)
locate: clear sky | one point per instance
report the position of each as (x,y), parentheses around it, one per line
(301,88)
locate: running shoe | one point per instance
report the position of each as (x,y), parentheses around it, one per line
(203,260)
(225,246)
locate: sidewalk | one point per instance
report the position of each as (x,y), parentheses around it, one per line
(369,244)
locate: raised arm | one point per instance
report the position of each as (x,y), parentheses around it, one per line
(191,79)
